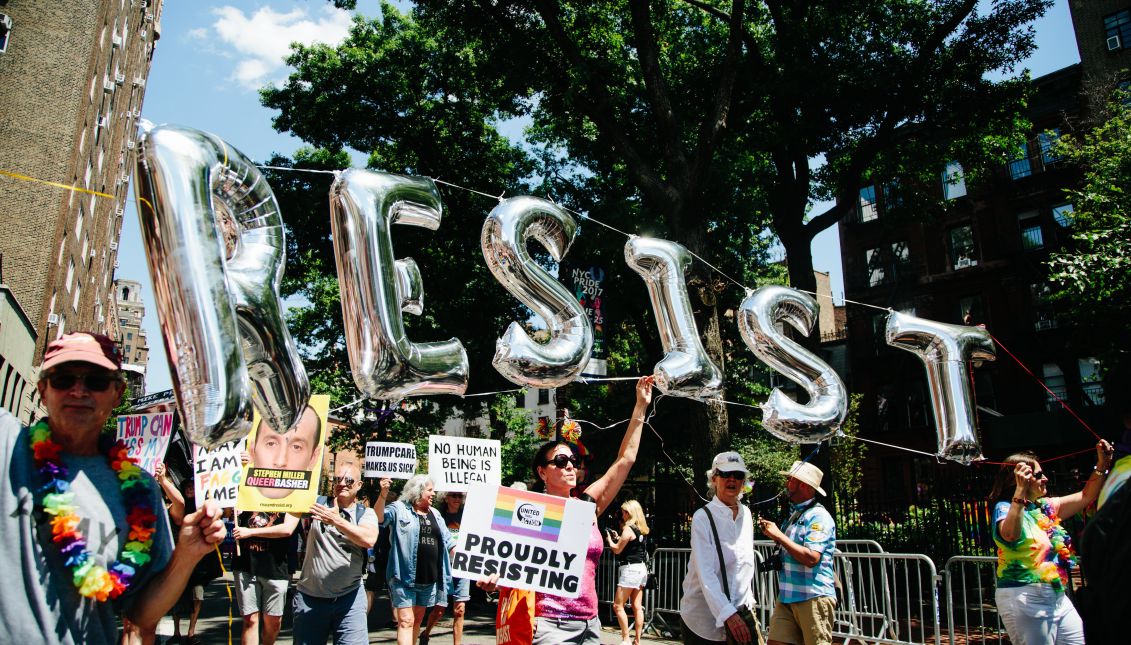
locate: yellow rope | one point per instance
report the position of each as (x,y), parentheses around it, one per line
(22,177)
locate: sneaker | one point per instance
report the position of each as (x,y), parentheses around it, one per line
(423,639)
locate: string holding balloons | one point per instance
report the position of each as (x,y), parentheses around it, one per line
(214,244)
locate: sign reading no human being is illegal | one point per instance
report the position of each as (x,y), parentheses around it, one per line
(454,463)
(530,540)
(393,460)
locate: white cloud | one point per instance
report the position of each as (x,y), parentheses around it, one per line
(260,41)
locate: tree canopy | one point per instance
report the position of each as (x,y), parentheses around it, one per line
(707,123)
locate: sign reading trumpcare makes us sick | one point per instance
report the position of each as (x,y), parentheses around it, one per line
(530,540)
(392,460)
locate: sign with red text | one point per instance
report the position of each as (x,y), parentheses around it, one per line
(146,437)
(217,473)
(454,463)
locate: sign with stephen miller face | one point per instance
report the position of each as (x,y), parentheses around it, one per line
(530,540)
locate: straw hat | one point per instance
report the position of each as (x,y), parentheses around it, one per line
(806,473)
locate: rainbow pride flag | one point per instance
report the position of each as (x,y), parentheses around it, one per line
(528,514)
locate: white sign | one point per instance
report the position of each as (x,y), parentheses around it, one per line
(392,460)
(530,540)
(454,463)
(217,473)
(146,437)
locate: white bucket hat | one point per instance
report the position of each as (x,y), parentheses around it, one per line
(728,462)
(806,473)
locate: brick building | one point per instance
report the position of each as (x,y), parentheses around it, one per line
(131,336)
(74,76)
(1103,37)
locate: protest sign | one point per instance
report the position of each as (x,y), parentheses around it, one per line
(283,473)
(392,460)
(146,437)
(217,473)
(456,462)
(530,540)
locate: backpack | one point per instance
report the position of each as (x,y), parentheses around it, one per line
(1105,558)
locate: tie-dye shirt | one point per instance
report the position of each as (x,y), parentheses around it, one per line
(1120,475)
(1029,559)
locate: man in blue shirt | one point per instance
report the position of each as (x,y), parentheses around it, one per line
(806,590)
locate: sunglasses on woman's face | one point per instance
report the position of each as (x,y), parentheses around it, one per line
(733,474)
(560,461)
(95,382)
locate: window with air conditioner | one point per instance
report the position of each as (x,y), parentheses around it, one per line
(1117,28)
(962,248)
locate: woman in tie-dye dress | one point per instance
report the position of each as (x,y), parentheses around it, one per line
(1035,552)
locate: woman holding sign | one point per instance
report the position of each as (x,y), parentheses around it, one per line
(419,571)
(574,620)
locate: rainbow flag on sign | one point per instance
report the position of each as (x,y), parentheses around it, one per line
(528,514)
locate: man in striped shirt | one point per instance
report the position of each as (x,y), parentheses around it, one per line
(803,614)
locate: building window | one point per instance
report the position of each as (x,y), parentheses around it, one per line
(543,396)
(875,263)
(900,254)
(1043,307)
(520,399)
(1021,167)
(1054,381)
(879,331)
(962,252)
(79,221)
(1046,142)
(1091,381)
(866,205)
(70,273)
(75,300)
(1062,215)
(954,183)
(1117,28)
(1030,226)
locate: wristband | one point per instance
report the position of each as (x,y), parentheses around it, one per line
(1020,500)
(1102,473)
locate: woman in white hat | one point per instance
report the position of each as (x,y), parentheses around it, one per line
(718,582)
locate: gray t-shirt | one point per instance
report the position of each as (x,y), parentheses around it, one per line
(49,609)
(334,565)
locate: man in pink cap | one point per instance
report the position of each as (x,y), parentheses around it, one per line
(82,528)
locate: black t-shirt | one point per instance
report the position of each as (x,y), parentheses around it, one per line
(634,550)
(428,550)
(266,557)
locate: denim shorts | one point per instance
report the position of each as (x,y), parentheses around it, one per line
(458,591)
(404,595)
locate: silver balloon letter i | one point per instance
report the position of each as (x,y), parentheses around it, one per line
(946,351)
(376,289)
(215,245)
(685,370)
(517,356)
(786,419)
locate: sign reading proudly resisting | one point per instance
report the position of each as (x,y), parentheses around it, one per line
(454,463)
(218,472)
(392,460)
(146,437)
(530,540)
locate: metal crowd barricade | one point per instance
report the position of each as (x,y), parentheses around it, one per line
(969,584)
(662,603)
(887,598)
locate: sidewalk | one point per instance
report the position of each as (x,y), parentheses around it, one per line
(479,622)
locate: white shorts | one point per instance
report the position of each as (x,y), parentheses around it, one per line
(632,576)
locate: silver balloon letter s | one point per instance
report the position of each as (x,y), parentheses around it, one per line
(786,419)
(376,288)
(946,351)
(518,357)
(215,246)
(685,369)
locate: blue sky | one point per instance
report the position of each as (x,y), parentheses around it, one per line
(212,56)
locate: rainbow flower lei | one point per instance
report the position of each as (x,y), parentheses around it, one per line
(91,579)
(1047,520)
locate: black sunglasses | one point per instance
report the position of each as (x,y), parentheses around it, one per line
(345,480)
(1040,474)
(94,382)
(561,460)
(732,474)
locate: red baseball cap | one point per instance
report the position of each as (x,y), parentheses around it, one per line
(82,347)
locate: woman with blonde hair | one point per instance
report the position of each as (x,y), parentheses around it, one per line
(630,547)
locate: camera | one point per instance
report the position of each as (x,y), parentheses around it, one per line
(772,563)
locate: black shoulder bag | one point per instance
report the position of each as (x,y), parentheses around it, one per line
(744,612)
